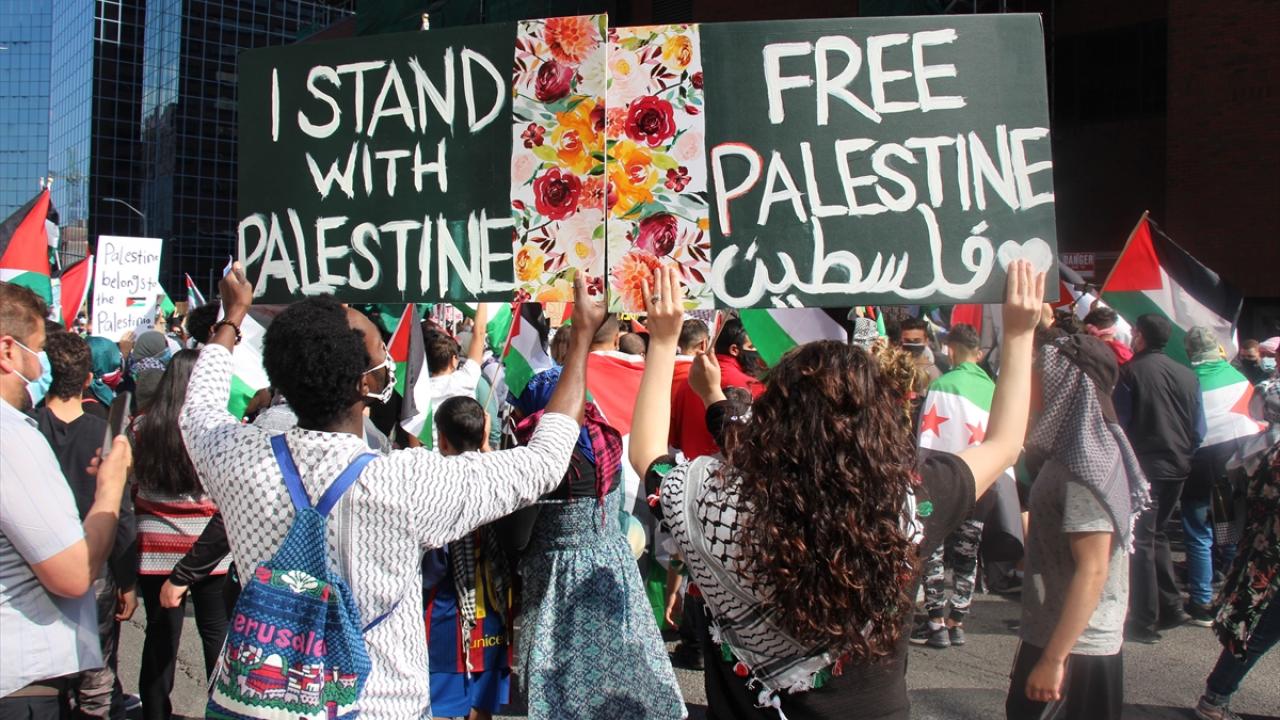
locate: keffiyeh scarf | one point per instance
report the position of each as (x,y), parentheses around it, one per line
(1073,431)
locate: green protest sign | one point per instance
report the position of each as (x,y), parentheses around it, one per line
(381,169)
(868,161)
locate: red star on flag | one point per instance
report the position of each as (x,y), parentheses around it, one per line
(1242,406)
(977,433)
(932,421)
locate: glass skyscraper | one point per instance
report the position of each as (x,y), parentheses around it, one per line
(95,79)
(24,100)
(189,123)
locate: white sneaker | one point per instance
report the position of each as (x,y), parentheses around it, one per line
(1206,710)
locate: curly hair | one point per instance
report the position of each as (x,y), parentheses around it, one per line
(313,356)
(70,362)
(906,380)
(160,460)
(199,321)
(825,466)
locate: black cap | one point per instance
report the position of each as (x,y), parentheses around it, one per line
(1098,362)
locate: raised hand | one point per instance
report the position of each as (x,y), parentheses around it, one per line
(664,304)
(1023,298)
(588,312)
(237,293)
(704,378)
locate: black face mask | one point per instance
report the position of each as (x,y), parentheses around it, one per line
(1249,362)
(750,362)
(914,349)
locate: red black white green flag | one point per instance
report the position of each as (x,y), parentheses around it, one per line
(1154,275)
(408,350)
(24,247)
(74,288)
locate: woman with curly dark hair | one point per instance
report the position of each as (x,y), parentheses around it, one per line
(806,536)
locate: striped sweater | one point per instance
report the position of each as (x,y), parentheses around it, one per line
(168,525)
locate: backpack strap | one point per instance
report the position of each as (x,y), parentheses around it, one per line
(344,481)
(293,481)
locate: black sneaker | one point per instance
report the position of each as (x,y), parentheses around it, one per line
(1201,615)
(1010,584)
(1146,636)
(1177,620)
(925,635)
(956,634)
(688,656)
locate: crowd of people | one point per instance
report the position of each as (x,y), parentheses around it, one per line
(822,514)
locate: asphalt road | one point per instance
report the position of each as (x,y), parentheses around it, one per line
(1161,681)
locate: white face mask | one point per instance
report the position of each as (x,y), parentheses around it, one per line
(384,395)
(1268,364)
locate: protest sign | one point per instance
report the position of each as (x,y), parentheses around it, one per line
(454,164)
(126,286)
(830,162)
(877,161)
(791,163)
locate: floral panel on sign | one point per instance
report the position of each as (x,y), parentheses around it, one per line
(657,170)
(558,184)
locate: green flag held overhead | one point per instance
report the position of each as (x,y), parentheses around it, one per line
(498,328)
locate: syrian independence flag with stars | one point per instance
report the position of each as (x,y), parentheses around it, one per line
(955,413)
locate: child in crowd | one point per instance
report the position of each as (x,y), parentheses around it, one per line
(467,596)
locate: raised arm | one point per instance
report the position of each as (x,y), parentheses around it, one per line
(482,487)
(651,421)
(475,349)
(1012,402)
(204,414)
(571,391)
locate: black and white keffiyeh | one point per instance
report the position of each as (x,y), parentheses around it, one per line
(1073,431)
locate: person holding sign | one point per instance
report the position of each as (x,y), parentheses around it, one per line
(330,364)
(818,466)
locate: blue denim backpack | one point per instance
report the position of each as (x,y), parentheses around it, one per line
(295,647)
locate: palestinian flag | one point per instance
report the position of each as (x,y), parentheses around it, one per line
(525,354)
(1226,394)
(408,350)
(774,331)
(955,412)
(24,247)
(194,298)
(247,374)
(74,289)
(1154,275)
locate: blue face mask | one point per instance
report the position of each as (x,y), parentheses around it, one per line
(38,387)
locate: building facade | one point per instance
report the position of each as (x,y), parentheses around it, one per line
(188,120)
(24,100)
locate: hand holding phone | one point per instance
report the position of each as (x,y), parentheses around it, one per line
(117,420)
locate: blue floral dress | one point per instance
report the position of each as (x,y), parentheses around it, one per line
(589,646)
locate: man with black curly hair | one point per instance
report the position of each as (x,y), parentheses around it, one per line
(199,323)
(330,363)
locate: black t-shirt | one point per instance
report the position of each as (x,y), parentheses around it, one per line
(876,691)
(75,445)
